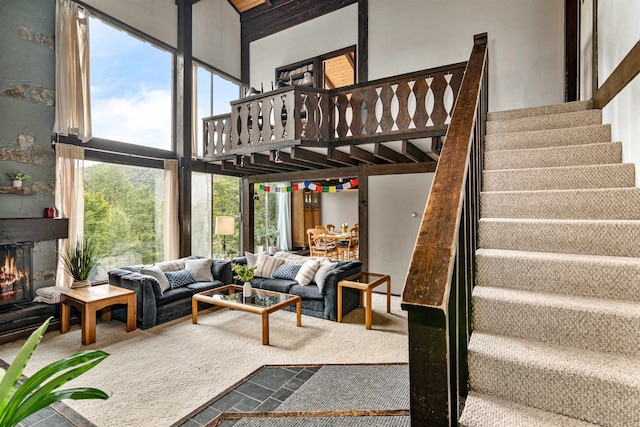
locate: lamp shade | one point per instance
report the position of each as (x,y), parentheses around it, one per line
(225,225)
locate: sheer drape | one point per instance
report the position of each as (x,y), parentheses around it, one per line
(284,219)
(194,112)
(73,106)
(171,231)
(69,200)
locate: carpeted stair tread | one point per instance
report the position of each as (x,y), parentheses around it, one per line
(484,411)
(571,274)
(566,107)
(548,157)
(589,237)
(601,388)
(567,177)
(552,121)
(608,203)
(581,322)
(548,138)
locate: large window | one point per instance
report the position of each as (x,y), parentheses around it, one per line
(130,88)
(214,94)
(123,214)
(226,202)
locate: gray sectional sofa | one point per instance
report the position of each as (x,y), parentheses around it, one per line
(156,305)
(316,301)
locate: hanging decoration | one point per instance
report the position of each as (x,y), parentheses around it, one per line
(310,186)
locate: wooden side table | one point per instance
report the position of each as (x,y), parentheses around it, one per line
(92,299)
(364,281)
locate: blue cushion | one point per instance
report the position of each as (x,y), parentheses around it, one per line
(286,271)
(180,278)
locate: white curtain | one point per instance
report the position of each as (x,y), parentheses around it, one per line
(195,125)
(73,105)
(171,231)
(284,218)
(69,200)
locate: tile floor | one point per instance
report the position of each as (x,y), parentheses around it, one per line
(261,392)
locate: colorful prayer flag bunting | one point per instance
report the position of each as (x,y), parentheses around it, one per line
(310,186)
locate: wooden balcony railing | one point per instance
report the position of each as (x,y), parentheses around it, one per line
(438,287)
(417,104)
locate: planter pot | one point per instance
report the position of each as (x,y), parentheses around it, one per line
(272,250)
(17,183)
(246,289)
(80,284)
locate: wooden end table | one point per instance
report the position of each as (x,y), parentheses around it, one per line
(260,302)
(364,281)
(92,299)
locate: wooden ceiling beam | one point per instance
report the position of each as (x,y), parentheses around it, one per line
(310,157)
(263,160)
(385,153)
(413,152)
(364,156)
(287,160)
(341,157)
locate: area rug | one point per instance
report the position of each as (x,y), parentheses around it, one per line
(159,375)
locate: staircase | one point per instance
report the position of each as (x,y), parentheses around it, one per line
(556,307)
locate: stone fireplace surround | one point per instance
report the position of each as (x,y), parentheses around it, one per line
(18,320)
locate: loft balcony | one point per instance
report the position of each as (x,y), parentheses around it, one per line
(394,120)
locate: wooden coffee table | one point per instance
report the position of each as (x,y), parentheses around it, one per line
(364,282)
(92,299)
(260,302)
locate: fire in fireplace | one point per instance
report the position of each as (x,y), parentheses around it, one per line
(15,273)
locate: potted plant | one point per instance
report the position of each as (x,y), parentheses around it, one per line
(80,261)
(17,178)
(244,273)
(39,391)
(270,234)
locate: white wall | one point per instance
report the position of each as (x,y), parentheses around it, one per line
(336,208)
(393,199)
(216,27)
(526,50)
(618,32)
(333,31)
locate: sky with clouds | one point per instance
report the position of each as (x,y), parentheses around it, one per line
(131,89)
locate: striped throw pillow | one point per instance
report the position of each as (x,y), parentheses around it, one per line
(307,271)
(267,265)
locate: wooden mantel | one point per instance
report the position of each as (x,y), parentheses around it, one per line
(16,230)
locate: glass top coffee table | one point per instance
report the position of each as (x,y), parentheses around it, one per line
(260,302)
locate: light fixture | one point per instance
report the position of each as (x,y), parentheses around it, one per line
(277,158)
(225,226)
(256,196)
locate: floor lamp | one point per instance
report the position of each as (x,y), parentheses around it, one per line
(225,226)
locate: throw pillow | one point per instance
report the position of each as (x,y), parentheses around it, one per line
(267,265)
(287,271)
(322,273)
(290,258)
(307,271)
(156,273)
(252,259)
(170,265)
(200,269)
(180,278)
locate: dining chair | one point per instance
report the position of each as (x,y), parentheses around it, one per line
(330,228)
(311,233)
(321,246)
(321,228)
(348,247)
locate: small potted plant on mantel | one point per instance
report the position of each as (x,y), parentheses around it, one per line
(17,178)
(270,235)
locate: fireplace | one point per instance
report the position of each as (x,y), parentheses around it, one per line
(16,273)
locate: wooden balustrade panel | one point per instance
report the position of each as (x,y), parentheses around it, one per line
(255,118)
(216,134)
(420,101)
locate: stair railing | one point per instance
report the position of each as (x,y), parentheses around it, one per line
(438,287)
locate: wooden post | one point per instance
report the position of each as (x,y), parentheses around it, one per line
(183,119)
(246,216)
(363,215)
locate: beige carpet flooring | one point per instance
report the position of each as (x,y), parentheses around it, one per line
(157,376)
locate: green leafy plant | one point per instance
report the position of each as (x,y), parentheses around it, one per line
(39,391)
(269,234)
(18,176)
(80,260)
(243,272)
